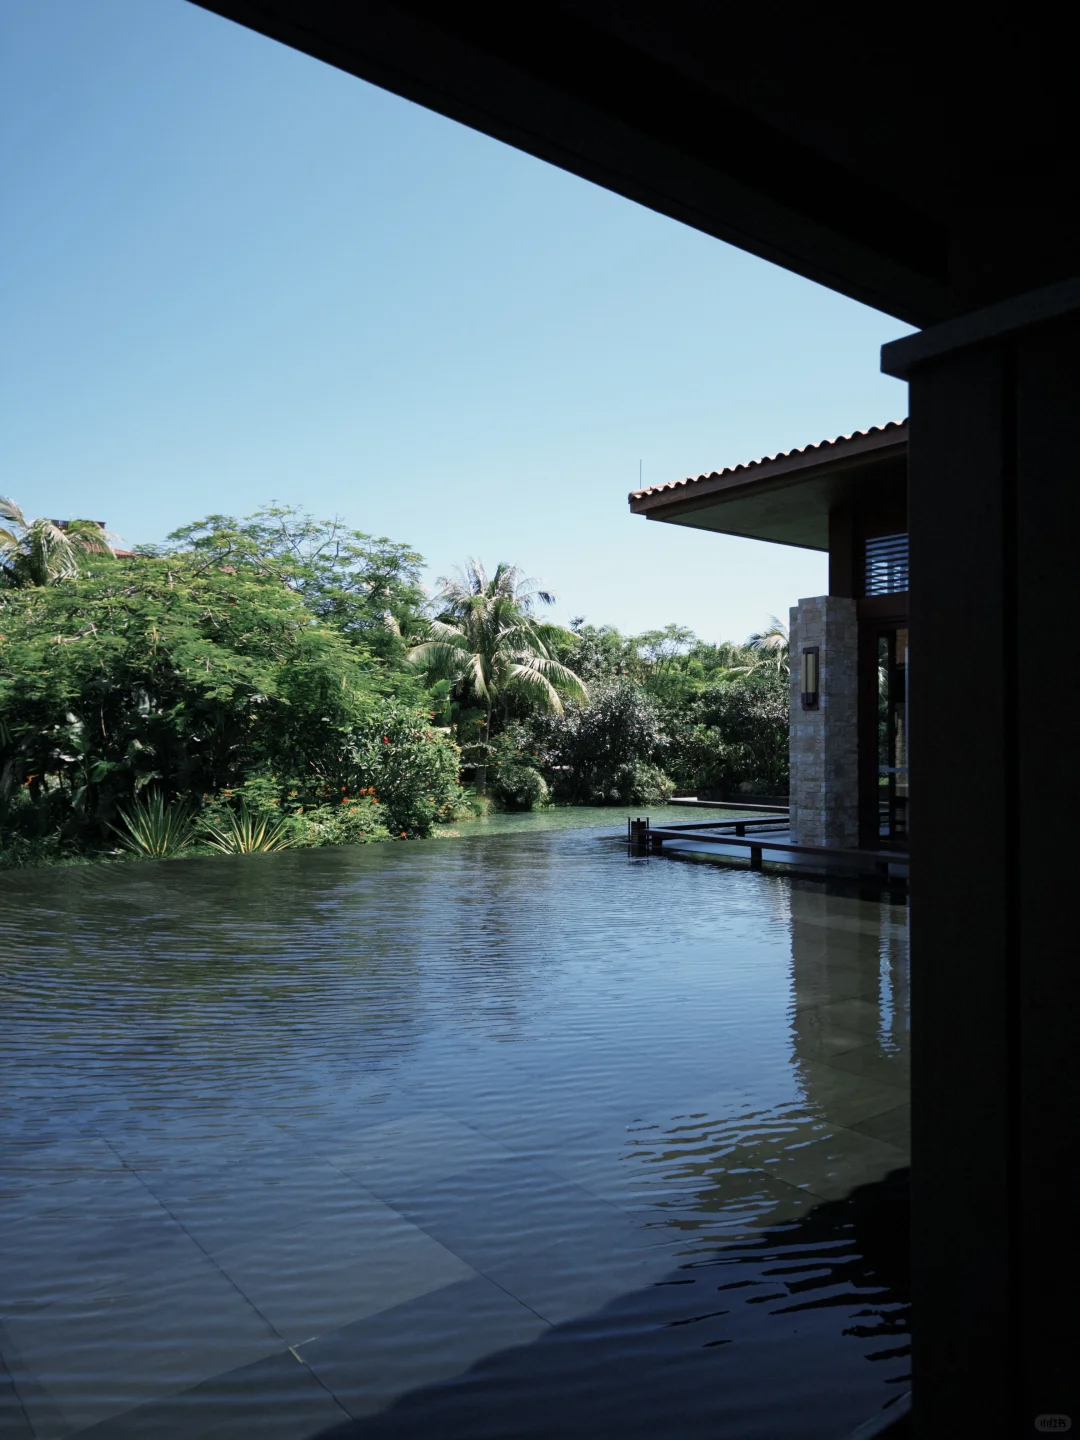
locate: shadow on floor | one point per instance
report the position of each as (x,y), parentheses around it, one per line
(800,1331)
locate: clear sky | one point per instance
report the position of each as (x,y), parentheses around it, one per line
(232,274)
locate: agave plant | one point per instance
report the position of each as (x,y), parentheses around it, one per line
(155,829)
(245,834)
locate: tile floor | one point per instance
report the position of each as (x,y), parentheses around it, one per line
(138,1299)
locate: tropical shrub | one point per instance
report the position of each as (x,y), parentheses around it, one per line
(733,737)
(518,787)
(308,816)
(353,820)
(607,750)
(409,766)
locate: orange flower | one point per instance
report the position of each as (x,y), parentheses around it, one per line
(403,835)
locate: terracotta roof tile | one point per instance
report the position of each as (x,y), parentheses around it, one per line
(895,429)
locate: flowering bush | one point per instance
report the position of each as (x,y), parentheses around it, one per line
(410,766)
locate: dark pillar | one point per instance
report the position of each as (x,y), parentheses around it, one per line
(995,758)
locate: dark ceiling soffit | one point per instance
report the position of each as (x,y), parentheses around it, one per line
(743,534)
(792,471)
(584,101)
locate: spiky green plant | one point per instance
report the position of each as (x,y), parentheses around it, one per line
(155,829)
(243,833)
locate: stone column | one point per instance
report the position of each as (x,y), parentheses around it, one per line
(824,742)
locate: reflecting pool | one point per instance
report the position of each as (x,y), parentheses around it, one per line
(512,1134)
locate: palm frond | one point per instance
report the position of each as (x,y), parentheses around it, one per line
(527,680)
(559,675)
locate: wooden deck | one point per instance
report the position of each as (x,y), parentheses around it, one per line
(761,835)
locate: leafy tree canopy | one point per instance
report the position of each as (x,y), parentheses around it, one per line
(170,669)
(366,587)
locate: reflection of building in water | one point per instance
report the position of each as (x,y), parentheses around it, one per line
(849,1002)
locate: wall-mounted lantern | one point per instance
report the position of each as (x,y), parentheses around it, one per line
(809,677)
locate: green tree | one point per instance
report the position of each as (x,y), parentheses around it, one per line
(607,749)
(598,652)
(41,552)
(166,670)
(366,587)
(733,737)
(663,648)
(486,640)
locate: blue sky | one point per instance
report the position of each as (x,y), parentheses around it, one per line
(232,274)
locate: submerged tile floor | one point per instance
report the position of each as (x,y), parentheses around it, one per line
(326,1179)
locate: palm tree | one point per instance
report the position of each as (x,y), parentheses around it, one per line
(40,552)
(485,638)
(772,646)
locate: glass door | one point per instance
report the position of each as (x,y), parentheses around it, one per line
(892,732)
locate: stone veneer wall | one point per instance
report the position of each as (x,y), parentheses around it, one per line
(824,748)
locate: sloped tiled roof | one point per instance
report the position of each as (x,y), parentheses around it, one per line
(892,433)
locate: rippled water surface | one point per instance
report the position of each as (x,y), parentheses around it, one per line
(508,1135)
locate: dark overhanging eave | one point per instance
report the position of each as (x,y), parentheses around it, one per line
(785,499)
(535,80)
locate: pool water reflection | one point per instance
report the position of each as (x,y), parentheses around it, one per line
(499,1135)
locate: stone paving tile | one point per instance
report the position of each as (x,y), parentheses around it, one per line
(558,1248)
(414,1150)
(58,1253)
(14,1421)
(373,1362)
(225,1206)
(99,1353)
(830,1166)
(491,1214)
(893,1127)
(56,1169)
(329,1271)
(871,1061)
(274,1399)
(814,1038)
(169,1147)
(843,1097)
(560,1283)
(862,1014)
